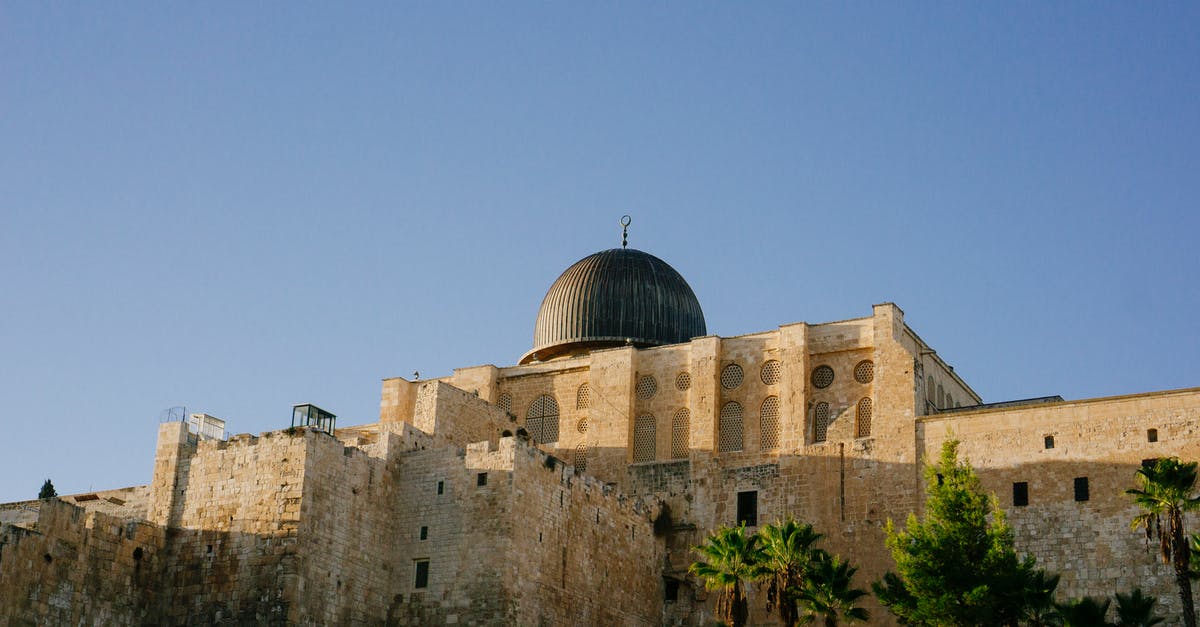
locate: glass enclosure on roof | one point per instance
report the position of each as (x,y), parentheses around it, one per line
(309,415)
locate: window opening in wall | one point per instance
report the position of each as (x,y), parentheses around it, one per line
(542,419)
(441,487)
(731,377)
(647,387)
(670,590)
(822,376)
(769,424)
(930,391)
(821,422)
(424,533)
(683,381)
(864,372)
(770,372)
(862,423)
(481,479)
(421,580)
(583,397)
(580,458)
(643,438)
(1020,494)
(1049,441)
(730,428)
(1151,435)
(1081,488)
(747,508)
(941,397)
(680,433)
(505,403)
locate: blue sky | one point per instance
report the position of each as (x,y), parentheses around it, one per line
(241,206)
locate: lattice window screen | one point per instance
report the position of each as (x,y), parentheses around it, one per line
(731,377)
(821,422)
(683,381)
(680,433)
(862,426)
(770,372)
(505,402)
(768,424)
(729,437)
(583,397)
(643,438)
(646,387)
(580,458)
(864,372)
(542,420)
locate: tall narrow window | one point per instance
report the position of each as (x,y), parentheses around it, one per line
(1049,441)
(1151,435)
(820,422)
(643,438)
(680,433)
(747,508)
(481,479)
(862,422)
(421,580)
(1020,494)
(580,458)
(768,424)
(583,397)
(730,428)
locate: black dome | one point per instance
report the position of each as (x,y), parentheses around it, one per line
(612,298)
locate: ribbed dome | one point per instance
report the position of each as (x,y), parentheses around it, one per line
(612,298)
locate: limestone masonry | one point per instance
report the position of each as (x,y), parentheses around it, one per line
(570,490)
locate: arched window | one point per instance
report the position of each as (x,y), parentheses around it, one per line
(505,403)
(542,419)
(583,397)
(730,428)
(680,433)
(821,422)
(580,458)
(768,424)
(941,397)
(862,425)
(643,438)
(930,391)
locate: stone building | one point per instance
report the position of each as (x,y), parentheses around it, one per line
(568,489)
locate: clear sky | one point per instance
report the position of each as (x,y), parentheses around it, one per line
(236,207)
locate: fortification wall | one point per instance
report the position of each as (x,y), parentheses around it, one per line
(79,568)
(1102,442)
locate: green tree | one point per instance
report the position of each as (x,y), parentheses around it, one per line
(786,552)
(47,491)
(1037,602)
(957,566)
(1136,610)
(829,593)
(1165,494)
(729,559)
(1085,612)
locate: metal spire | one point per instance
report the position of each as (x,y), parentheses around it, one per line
(625,221)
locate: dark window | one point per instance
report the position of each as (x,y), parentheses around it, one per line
(1049,441)
(1081,488)
(747,508)
(441,487)
(671,590)
(422,578)
(424,533)
(481,479)
(1020,494)
(1151,435)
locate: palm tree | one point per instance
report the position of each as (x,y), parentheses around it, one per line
(1165,495)
(1085,612)
(787,549)
(828,592)
(1136,610)
(729,558)
(1037,598)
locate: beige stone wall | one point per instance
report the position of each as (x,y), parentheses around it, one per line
(1105,440)
(79,568)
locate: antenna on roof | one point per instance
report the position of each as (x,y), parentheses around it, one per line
(625,220)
